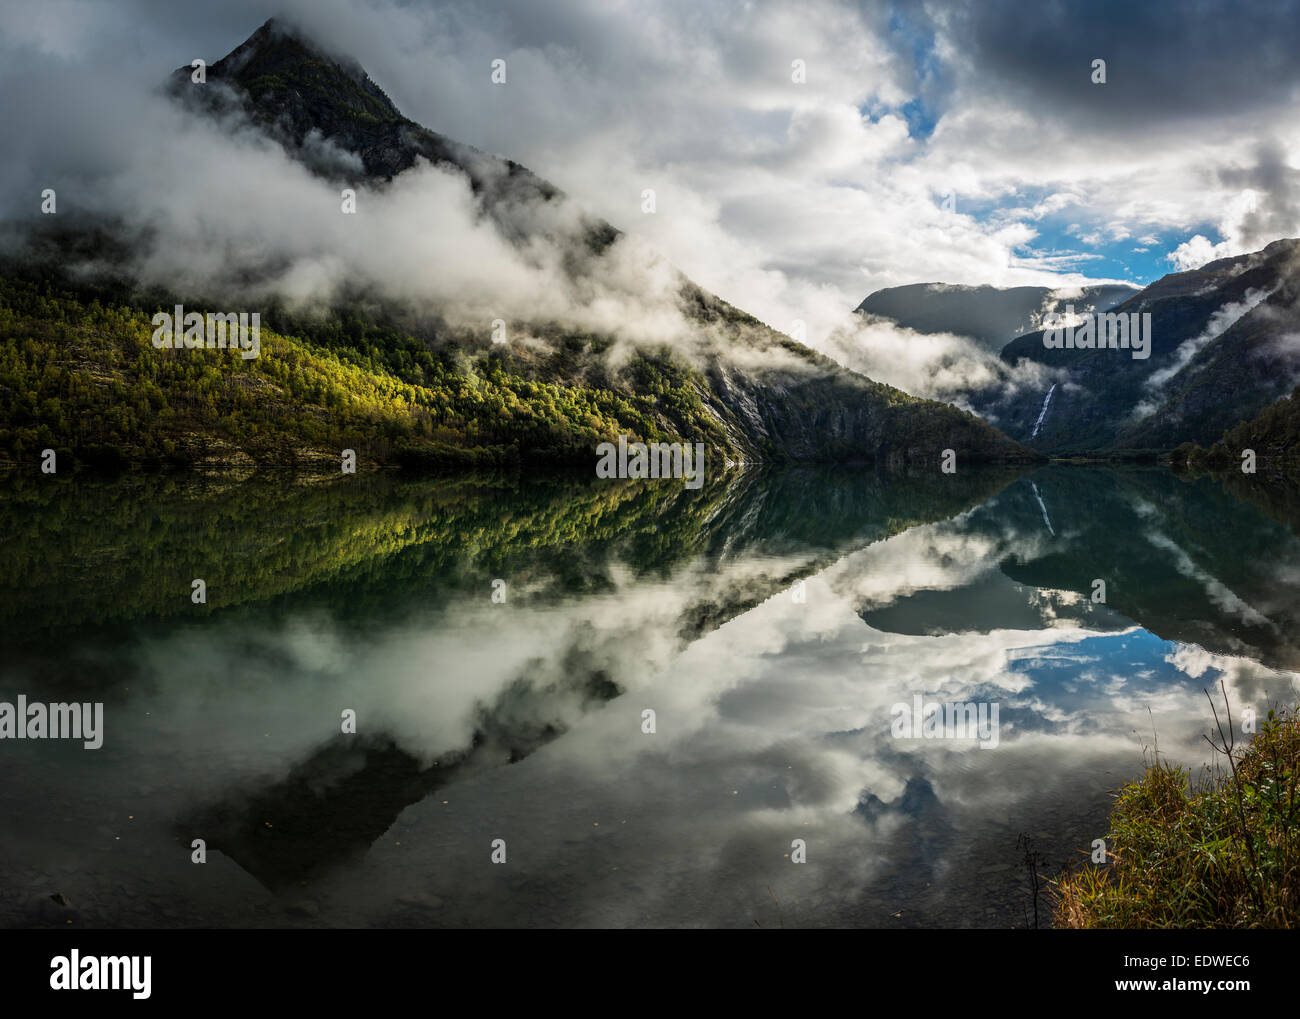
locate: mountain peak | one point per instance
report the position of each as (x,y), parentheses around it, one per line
(280,56)
(328,112)
(298,91)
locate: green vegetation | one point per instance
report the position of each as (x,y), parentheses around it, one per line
(397,383)
(1226,854)
(79,375)
(85,551)
(1274,435)
(91,551)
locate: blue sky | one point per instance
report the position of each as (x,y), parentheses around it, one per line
(1128,260)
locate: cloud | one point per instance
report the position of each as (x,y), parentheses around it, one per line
(210,203)
(1262,204)
(790,201)
(1220,322)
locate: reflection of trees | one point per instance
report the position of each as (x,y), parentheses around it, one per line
(364,548)
(88,552)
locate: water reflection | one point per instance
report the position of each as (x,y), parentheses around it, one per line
(523,720)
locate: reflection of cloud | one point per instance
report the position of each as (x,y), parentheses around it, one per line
(798,697)
(1218,592)
(771,727)
(777,725)
(1249,684)
(1192,660)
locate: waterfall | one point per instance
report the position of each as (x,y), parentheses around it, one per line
(1042,505)
(1047,402)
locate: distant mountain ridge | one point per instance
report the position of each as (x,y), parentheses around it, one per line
(1225,345)
(990,315)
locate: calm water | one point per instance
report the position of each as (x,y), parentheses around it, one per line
(522,719)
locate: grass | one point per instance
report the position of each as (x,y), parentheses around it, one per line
(1223,855)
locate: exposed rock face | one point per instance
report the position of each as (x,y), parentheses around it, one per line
(836,415)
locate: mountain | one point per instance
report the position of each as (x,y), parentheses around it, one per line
(1274,436)
(326,110)
(91,560)
(989,315)
(406,380)
(1223,348)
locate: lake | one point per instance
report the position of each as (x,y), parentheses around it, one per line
(656,706)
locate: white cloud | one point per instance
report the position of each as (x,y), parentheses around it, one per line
(790,201)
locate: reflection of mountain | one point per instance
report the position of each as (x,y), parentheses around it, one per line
(620,579)
(338,801)
(1278,496)
(992,601)
(225,727)
(928,833)
(1185,560)
(100,553)
(372,552)
(796,521)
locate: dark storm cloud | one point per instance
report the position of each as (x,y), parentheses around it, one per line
(1166,61)
(1277,207)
